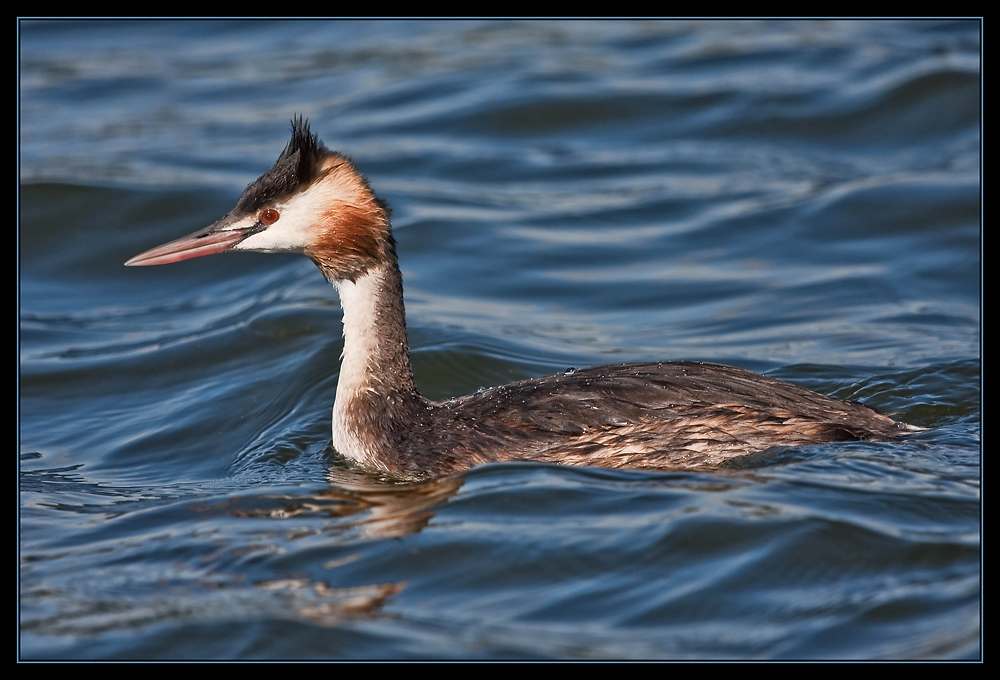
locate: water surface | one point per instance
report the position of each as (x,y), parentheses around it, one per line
(798,198)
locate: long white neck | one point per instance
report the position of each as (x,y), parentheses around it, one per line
(376,395)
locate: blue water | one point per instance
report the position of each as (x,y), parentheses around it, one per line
(798,198)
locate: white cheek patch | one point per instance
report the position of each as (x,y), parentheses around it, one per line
(290,234)
(300,216)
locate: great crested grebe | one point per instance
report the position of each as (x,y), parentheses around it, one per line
(669,415)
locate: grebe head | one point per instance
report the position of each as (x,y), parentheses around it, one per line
(312,201)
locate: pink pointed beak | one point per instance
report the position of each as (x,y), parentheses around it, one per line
(198,244)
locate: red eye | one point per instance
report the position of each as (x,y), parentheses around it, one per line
(269,216)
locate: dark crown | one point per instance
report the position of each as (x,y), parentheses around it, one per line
(296,168)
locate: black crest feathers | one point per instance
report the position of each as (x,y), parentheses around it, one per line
(296,167)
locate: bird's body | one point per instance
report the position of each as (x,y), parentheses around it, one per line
(670,415)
